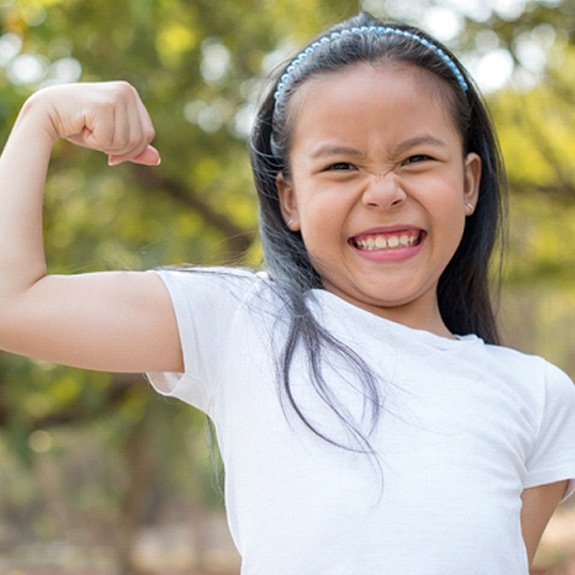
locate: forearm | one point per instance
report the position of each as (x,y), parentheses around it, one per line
(23,167)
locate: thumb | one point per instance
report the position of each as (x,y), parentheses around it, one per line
(149,157)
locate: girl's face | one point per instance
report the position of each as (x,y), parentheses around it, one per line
(379,187)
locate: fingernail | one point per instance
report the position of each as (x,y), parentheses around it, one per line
(114,161)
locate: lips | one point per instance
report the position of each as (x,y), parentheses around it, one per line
(388,240)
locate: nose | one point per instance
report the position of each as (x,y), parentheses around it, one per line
(383,191)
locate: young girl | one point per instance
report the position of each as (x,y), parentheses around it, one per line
(368,421)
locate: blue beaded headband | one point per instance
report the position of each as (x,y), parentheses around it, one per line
(381,30)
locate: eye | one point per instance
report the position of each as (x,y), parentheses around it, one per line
(417,159)
(339,167)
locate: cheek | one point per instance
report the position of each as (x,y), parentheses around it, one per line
(323,223)
(322,228)
(446,205)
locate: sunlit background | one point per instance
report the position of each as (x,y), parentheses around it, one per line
(100,475)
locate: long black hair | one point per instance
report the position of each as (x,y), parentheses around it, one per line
(464,287)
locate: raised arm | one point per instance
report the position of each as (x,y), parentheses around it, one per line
(115,321)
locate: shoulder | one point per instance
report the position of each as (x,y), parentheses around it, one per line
(216,281)
(212,274)
(220,292)
(545,388)
(532,381)
(528,366)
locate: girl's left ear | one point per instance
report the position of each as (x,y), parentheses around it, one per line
(288,204)
(472,180)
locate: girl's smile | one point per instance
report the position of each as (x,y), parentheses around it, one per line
(388,244)
(379,187)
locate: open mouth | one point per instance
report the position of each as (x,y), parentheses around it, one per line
(388,241)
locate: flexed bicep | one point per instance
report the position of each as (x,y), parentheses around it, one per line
(110,321)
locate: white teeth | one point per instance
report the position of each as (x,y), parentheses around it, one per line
(387,242)
(380,242)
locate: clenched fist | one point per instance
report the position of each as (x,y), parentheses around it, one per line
(109,117)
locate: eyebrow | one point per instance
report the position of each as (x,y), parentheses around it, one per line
(334,150)
(329,150)
(425,139)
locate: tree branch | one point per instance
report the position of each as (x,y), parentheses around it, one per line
(238,240)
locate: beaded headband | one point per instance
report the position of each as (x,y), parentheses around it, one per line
(380,30)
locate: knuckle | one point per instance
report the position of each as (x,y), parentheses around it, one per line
(123,87)
(118,92)
(150,134)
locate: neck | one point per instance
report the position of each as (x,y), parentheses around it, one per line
(421,314)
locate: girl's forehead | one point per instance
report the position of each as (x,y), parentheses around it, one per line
(385,76)
(389,93)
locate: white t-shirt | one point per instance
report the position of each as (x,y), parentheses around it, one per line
(465,428)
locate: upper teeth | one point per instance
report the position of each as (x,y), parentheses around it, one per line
(384,242)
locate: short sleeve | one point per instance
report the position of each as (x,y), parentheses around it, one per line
(205,301)
(553,455)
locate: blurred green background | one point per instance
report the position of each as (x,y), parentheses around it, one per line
(98,474)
